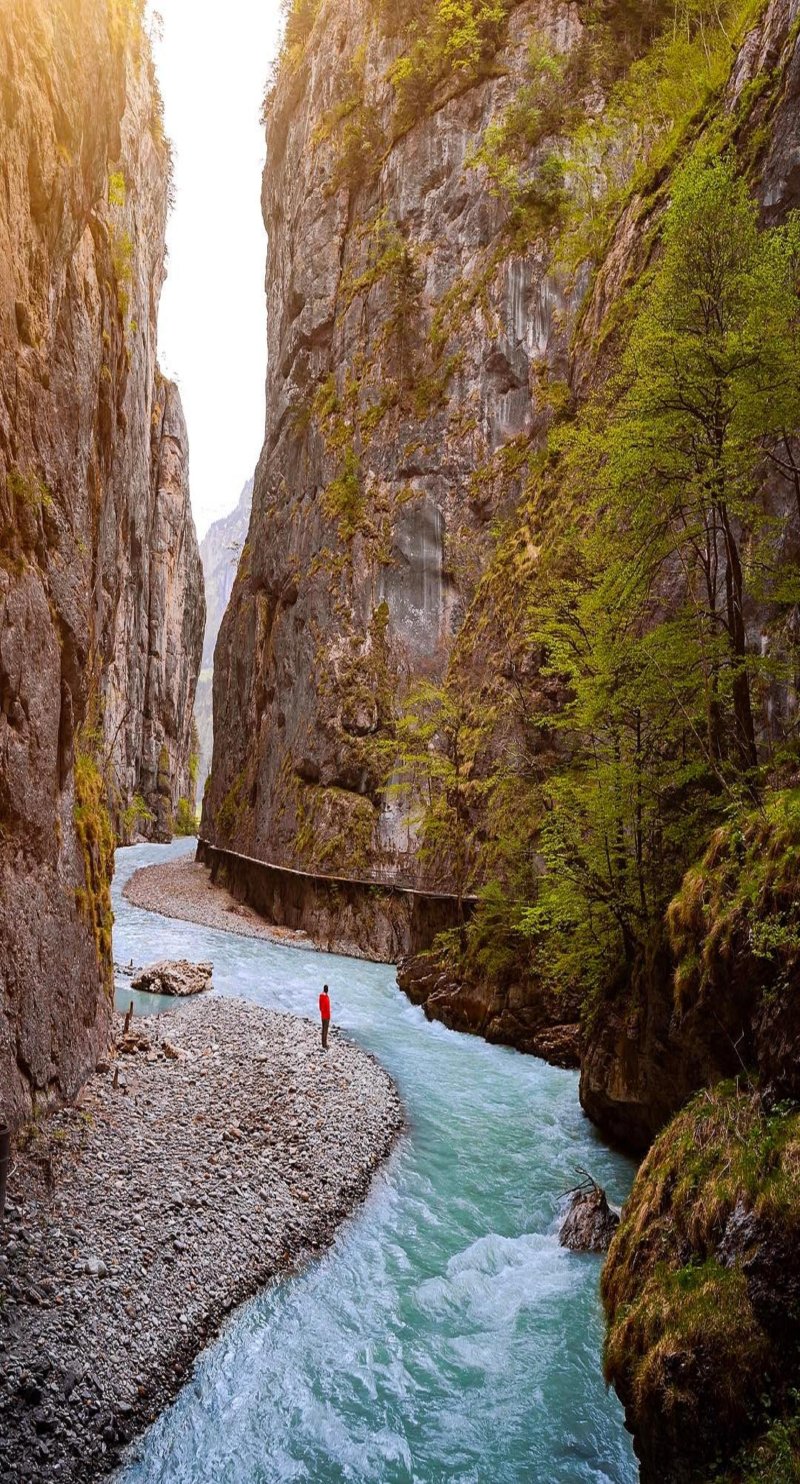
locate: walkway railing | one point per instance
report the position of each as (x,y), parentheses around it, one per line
(392,877)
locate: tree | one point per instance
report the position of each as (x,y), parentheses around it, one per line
(708,366)
(643,617)
(434,752)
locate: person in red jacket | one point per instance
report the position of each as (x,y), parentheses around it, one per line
(325,1013)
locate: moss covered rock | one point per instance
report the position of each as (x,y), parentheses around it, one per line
(702,1287)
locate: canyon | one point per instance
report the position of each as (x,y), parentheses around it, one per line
(471,217)
(506,682)
(423,353)
(220,551)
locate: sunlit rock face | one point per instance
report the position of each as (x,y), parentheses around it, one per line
(101,605)
(401,359)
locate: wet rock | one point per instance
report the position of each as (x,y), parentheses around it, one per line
(590,1222)
(520,1014)
(177,978)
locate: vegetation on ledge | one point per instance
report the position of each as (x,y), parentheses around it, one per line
(97,842)
(702,1288)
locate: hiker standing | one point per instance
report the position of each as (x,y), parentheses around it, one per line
(325,1014)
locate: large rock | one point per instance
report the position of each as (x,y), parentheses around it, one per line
(702,1293)
(100,587)
(177,977)
(506,1012)
(589,1223)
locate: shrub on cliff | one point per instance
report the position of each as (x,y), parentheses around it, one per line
(734,931)
(95,836)
(187,821)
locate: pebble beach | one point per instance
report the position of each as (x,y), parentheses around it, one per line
(183,889)
(216,1149)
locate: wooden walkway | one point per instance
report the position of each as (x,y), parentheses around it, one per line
(387,881)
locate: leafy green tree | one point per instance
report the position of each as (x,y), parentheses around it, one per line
(707,378)
(644,616)
(434,753)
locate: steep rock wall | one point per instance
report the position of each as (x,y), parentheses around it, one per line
(402,358)
(100,586)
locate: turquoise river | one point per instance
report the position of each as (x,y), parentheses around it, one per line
(446,1338)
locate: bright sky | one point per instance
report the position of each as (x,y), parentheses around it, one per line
(213,62)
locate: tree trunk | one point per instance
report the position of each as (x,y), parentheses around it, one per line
(742,708)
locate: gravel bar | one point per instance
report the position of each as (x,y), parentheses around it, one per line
(229,1152)
(183,889)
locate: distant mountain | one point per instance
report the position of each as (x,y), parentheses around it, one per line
(220,552)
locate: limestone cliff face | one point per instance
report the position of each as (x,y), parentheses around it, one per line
(101,607)
(403,355)
(220,551)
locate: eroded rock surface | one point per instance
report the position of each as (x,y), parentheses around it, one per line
(177,978)
(518,1014)
(220,552)
(101,607)
(370,528)
(589,1223)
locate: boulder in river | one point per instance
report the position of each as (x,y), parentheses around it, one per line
(174,977)
(589,1222)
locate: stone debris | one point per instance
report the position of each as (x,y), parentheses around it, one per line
(177,978)
(137,1220)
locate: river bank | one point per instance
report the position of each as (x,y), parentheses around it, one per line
(183,890)
(230,1151)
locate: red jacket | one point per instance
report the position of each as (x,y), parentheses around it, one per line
(325,1007)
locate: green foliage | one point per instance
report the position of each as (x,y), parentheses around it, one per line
(117,188)
(97,842)
(434,750)
(335,828)
(29,490)
(187,820)
(343,499)
(354,124)
(122,251)
(126,23)
(231,810)
(687,1337)
(299,18)
(651,109)
(132,818)
(449,41)
(640,616)
(532,188)
(773,1459)
(743,902)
